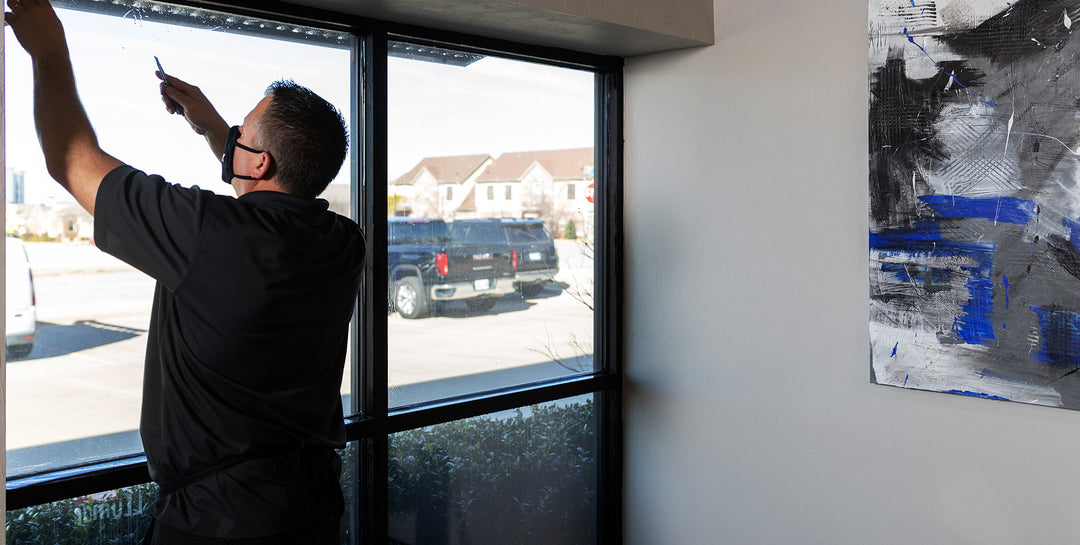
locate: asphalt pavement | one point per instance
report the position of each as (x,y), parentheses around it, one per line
(77,395)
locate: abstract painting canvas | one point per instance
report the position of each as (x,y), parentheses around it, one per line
(975,198)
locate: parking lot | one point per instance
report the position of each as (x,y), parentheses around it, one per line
(83,379)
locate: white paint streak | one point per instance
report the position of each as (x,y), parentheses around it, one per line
(1008,134)
(1068,22)
(951,79)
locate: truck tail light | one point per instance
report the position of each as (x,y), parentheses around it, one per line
(442,265)
(513,259)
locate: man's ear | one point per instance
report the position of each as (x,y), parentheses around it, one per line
(263,167)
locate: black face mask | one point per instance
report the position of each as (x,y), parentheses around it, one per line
(231,144)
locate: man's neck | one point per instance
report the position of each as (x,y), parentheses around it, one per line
(243,187)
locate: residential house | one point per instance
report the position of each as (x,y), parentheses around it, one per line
(437,186)
(60,221)
(551,185)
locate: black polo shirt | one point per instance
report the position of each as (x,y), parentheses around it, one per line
(247,338)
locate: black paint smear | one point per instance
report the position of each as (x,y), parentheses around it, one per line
(1026,28)
(1065,254)
(903,133)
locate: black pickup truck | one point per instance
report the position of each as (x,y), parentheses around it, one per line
(427,265)
(537,261)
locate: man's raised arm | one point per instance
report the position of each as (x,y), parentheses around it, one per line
(72,154)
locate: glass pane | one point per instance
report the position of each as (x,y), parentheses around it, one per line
(118,516)
(488,149)
(74,391)
(521,477)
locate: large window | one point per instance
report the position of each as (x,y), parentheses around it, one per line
(511,301)
(74,393)
(483,376)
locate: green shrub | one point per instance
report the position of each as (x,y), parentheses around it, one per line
(521,480)
(111,518)
(570,233)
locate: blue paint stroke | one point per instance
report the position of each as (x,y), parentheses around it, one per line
(905,379)
(996,209)
(942,70)
(1059,337)
(973,323)
(976,394)
(1073,228)
(894,350)
(919,275)
(924,238)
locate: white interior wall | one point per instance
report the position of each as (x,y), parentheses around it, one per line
(750,414)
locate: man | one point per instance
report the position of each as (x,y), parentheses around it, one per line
(241,410)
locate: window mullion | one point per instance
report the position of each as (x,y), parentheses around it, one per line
(373,375)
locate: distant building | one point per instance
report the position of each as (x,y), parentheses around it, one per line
(61,221)
(551,185)
(15,186)
(437,187)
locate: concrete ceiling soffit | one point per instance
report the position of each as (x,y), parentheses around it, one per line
(624,29)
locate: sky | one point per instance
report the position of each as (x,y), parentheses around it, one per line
(492,106)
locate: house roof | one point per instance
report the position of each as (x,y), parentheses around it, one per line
(453,169)
(72,209)
(563,164)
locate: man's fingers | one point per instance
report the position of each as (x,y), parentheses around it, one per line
(181,84)
(170,96)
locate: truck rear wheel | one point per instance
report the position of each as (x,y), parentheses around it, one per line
(409,298)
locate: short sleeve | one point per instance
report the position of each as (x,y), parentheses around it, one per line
(149,224)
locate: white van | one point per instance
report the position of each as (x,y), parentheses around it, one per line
(20,301)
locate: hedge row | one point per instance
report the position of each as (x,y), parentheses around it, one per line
(529,478)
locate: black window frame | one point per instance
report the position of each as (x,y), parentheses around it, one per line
(372,421)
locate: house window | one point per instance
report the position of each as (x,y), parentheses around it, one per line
(509,192)
(446,366)
(570,191)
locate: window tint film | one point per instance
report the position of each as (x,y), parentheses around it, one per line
(73,395)
(478,143)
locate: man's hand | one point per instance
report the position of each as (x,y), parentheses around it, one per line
(187,100)
(37,27)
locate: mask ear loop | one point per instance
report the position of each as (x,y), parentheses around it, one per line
(231,144)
